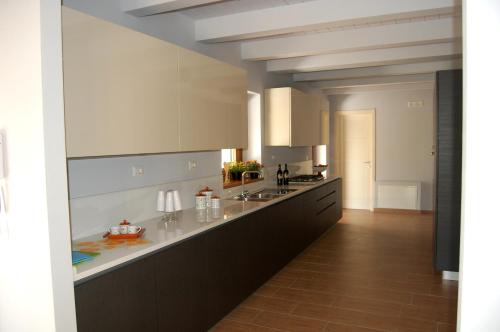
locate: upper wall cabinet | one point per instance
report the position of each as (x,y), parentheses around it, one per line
(130,93)
(325,121)
(213,103)
(293,118)
(120,89)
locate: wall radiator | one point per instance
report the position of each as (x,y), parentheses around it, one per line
(398,195)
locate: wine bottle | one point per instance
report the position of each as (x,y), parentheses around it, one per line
(285,175)
(279,176)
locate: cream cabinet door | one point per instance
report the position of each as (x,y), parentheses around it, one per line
(300,120)
(120,89)
(277,118)
(314,115)
(306,119)
(212,103)
(325,122)
(237,113)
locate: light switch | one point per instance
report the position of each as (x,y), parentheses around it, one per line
(137,171)
(192,164)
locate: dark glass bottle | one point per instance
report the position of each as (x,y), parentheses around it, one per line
(279,176)
(285,175)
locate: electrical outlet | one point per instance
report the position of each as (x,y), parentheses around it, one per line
(416,104)
(137,171)
(192,164)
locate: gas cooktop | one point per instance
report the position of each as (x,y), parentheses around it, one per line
(306,178)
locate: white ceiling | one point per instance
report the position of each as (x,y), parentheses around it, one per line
(229,7)
(326,42)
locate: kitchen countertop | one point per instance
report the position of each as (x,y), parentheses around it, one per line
(160,234)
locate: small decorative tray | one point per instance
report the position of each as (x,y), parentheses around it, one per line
(137,235)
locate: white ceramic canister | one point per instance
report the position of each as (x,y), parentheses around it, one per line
(215,202)
(208,195)
(201,201)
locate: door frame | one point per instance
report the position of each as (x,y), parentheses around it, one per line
(338,150)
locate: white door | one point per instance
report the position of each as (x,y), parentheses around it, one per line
(356,157)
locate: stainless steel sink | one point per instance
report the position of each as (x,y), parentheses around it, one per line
(264,195)
(277,191)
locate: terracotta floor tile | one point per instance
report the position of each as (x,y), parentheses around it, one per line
(243,314)
(380,294)
(316,259)
(332,327)
(440,313)
(302,296)
(446,288)
(346,317)
(291,273)
(430,278)
(233,326)
(269,304)
(289,323)
(431,300)
(443,327)
(368,305)
(415,325)
(280,281)
(318,286)
(267,290)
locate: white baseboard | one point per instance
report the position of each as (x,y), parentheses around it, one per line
(450,275)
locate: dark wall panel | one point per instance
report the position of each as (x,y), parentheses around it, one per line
(448,170)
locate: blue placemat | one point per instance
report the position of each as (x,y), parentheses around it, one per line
(80,257)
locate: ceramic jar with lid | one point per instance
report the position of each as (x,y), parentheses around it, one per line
(201,201)
(207,192)
(215,202)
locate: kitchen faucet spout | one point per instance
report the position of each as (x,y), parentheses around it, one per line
(244,193)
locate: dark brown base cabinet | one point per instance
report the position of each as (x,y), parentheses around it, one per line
(193,284)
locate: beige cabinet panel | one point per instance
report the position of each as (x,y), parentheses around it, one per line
(300,119)
(293,118)
(236,117)
(313,114)
(277,117)
(120,89)
(212,103)
(325,122)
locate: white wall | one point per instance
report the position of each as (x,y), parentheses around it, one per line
(36,279)
(404,136)
(479,289)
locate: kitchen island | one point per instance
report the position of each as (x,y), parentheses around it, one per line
(192,272)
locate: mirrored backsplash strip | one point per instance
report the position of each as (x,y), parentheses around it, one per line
(95,214)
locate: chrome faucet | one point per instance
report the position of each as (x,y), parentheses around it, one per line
(244,193)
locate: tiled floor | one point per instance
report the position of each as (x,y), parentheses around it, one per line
(371,272)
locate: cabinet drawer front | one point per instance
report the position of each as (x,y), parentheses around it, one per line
(326,202)
(327,190)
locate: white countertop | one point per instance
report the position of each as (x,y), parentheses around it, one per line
(160,234)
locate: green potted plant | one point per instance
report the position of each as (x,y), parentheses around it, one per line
(253,165)
(236,169)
